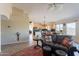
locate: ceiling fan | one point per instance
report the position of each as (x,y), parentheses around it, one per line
(54,5)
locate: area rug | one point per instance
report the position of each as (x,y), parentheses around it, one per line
(30,51)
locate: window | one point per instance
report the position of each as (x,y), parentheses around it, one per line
(59,27)
(71,29)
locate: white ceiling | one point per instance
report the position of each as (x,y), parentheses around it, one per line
(38,11)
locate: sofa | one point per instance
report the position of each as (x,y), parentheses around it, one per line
(55,45)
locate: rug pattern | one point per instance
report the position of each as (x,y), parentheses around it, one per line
(31,51)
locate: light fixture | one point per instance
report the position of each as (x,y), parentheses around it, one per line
(44,22)
(55,6)
(64,24)
(9,26)
(30,22)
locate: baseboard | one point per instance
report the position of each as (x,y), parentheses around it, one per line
(14,43)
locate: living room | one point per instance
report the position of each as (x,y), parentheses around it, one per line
(22,24)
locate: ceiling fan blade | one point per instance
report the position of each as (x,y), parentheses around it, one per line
(54,6)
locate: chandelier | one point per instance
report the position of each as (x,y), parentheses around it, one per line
(44,22)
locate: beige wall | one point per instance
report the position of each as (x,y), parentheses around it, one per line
(5,9)
(19,23)
(0,33)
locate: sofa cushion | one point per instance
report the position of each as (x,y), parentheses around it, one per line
(59,38)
